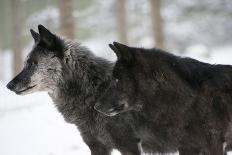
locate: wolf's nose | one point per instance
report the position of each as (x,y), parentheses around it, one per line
(10,85)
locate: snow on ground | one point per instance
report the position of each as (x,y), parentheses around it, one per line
(31,125)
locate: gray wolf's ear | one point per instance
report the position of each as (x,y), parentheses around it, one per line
(50,41)
(35,35)
(122,51)
(46,36)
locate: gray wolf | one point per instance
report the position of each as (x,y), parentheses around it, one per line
(74,78)
(185,103)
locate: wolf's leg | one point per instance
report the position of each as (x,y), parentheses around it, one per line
(96,147)
(188,151)
(211,150)
(99,149)
(131,149)
(216,149)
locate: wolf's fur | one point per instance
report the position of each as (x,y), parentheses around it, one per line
(184,103)
(75,78)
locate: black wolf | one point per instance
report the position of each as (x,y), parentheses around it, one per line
(185,103)
(74,78)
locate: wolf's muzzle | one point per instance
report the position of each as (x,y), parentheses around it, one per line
(10,86)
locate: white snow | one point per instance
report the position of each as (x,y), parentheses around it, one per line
(31,125)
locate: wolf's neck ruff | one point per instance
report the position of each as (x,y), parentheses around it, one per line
(83,79)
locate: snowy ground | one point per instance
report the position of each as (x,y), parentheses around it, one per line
(31,125)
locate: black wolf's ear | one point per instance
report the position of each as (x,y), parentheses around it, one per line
(116,51)
(35,35)
(122,51)
(46,36)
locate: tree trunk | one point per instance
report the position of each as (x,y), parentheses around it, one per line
(67,21)
(157,23)
(121,21)
(1,61)
(17,37)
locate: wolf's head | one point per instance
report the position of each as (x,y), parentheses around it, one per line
(43,65)
(122,93)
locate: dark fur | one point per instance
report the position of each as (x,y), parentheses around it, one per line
(78,79)
(178,103)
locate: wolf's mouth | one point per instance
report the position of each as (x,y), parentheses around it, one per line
(26,89)
(111,112)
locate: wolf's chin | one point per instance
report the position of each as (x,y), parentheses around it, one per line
(25,91)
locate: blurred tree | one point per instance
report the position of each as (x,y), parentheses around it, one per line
(17,27)
(1,62)
(6,23)
(157,23)
(67,23)
(122,21)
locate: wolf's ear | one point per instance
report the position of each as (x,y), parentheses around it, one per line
(35,35)
(116,51)
(122,51)
(46,36)
(50,41)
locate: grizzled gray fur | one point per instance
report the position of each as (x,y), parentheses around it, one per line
(74,78)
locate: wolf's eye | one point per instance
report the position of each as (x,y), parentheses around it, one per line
(31,63)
